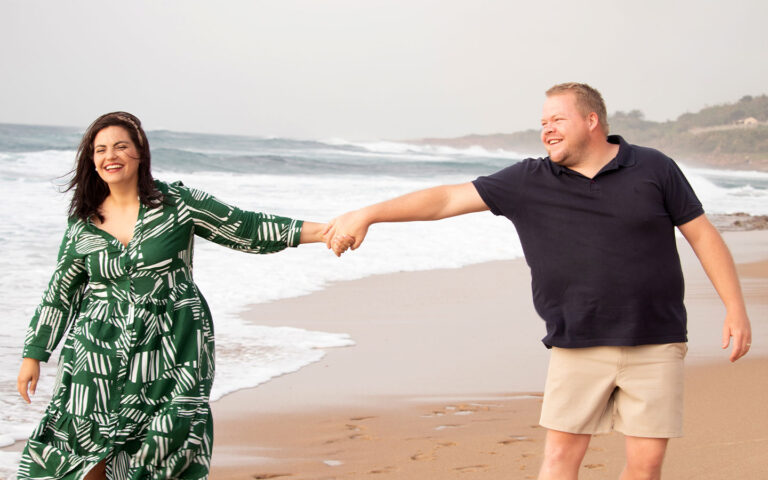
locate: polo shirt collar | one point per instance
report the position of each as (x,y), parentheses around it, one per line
(622,159)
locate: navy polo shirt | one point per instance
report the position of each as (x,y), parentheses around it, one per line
(602,251)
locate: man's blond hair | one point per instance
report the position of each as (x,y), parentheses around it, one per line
(588,100)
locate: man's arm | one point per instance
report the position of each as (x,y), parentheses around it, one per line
(718,263)
(429,204)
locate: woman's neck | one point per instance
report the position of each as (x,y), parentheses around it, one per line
(123,196)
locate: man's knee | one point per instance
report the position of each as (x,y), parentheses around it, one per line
(562,447)
(645,467)
(645,457)
(563,453)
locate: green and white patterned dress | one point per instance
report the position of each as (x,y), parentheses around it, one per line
(137,365)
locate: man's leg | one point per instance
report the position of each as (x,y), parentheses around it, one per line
(563,453)
(644,458)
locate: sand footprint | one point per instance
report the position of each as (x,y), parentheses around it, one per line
(433,454)
(387,469)
(434,413)
(472,468)
(358,435)
(449,425)
(474,407)
(516,439)
(421,456)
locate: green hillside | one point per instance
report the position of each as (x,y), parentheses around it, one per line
(715,136)
(731,135)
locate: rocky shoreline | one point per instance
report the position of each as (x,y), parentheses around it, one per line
(738,222)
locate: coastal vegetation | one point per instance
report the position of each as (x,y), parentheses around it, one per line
(731,135)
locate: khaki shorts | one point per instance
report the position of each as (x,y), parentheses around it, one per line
(634,390)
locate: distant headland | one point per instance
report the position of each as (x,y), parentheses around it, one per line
(731,136)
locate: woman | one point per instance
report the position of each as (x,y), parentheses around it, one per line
(131,396)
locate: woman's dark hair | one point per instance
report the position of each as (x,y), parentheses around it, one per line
(89,189)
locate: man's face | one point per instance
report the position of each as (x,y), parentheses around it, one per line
(564,129)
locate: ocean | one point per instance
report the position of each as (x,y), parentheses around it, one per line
(306,179)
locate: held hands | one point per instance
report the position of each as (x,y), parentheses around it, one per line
(346,231)
(29,374)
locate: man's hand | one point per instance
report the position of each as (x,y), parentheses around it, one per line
(29,374)
(346,231)
(721,270)
(737,326)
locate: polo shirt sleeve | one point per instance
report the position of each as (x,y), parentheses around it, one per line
(679,198)
(501,190)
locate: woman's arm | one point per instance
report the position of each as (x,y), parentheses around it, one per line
(56,312)
(232,227)
(312,232)
(61,300)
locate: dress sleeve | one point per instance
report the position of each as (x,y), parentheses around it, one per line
(61,300)
(238,229)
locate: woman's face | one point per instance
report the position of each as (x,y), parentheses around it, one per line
(115,157)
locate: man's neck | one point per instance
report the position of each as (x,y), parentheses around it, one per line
(596,156)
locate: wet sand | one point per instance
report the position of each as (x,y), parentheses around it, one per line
(445,379)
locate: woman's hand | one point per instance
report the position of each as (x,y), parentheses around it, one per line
(346,231)
(29,374)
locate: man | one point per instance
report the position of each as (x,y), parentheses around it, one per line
(596,220)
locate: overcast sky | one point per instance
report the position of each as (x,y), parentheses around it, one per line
(367,69)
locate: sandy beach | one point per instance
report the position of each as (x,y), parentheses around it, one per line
(445,379)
